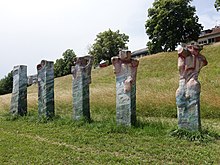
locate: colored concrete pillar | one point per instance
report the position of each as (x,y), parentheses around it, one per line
(81,80)
(45,76)
(19,93)
(125,69)
(188,109)
(190,62)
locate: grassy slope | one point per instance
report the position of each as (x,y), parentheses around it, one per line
(63,141)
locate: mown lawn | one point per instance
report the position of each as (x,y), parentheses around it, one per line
(62,141)
(27,140)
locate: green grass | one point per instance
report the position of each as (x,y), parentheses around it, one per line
(200,136)
(28,140)
(62,141)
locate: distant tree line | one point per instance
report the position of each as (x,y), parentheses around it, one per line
(6,84)
(62,67)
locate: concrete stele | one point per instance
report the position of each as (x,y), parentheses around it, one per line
(45,77)
(19,93)
(125,70)
(81,80)
(190,62)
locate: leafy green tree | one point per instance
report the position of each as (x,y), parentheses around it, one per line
(63,65)
(107,44)
(6,84)
(68,57)
(154,47)
(59,68)
(217,5)
(171,22)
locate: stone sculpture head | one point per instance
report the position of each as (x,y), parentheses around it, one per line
(125,55)
(83,61)
(41,65)
(183,52)
(195,49)
(83,65)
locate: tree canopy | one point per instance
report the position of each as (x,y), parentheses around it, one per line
(170,23)
(217,5)
(63,65)
(6,84)
(107,44)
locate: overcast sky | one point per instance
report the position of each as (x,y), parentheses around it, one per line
(32,30)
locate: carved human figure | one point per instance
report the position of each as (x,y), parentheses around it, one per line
(125,70)
(81,80)
(45,76)
(190,62)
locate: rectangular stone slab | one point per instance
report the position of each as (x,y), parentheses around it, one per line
(45,75)
(19,93)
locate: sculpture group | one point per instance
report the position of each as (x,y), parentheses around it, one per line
(190,61)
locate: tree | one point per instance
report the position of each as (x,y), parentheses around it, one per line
(68,57)
(217,5)
(170,23)
(63,65)
(59,68)
(107,44)
(6,84)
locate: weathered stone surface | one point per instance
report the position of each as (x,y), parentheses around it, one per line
(81,80)
(125,70)
(45,76)
(19,93)
(190,62)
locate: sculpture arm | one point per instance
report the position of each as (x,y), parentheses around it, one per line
(181,67)
(116,62)
(73,71)
(89,60)
(203,59)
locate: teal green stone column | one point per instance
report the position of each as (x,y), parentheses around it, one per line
(81,80)
(125,70)
(45,76)
(19,93)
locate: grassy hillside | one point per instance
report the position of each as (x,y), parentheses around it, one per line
(62,141)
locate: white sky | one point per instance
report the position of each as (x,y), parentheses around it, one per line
(32,30)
